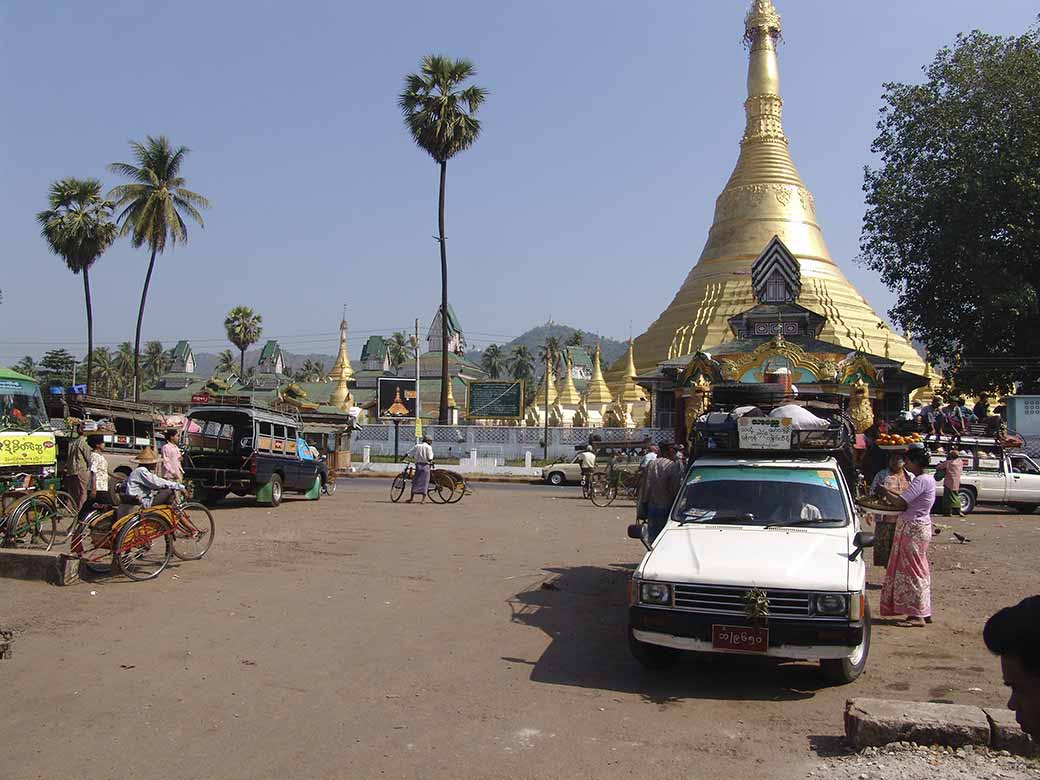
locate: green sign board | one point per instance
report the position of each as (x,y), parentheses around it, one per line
(495,400)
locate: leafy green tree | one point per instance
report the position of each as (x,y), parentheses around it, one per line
(157,361)
(26,366)
(577,339)
(439,113)
(56,366)
(154,205)
(521,363)
(953,218)
(78,228)
(225,363)
(105,374)
(124,363)
(311,371)
(493,361)
(243,327)
(397,348)
(553,351)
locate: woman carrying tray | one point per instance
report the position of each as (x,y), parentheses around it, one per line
(908,580)
(895,479)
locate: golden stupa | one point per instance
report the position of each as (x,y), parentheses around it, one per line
(342,372)
(765,197)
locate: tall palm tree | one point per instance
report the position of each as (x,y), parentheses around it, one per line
(244,327)
(125,361)
(493,361)
(397,349)
(439,113)
(521,363)
(225,363)
(104,371)
(154,205)
(78,227)
(553,350)
(157,361)
(577,339)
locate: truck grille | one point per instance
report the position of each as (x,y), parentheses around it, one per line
(722,600)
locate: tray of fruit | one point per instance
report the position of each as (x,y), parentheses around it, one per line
(895,441)
(878,505)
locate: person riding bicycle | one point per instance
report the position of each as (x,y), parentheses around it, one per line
(144,486)
(587,463)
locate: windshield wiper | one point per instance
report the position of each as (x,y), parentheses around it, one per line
(710,516)
(806,521)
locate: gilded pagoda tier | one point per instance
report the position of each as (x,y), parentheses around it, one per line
(765,197)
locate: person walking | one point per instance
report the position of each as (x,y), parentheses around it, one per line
(661,481)
(649,455)
(422,454)
(171,457)
(895,479)
(77,464)
(951,469)
(908,579)
(99,481)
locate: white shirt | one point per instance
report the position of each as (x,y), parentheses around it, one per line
(99,468)
(423,453)
(646,459)
(587,460)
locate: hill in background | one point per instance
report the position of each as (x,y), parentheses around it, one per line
(535,338)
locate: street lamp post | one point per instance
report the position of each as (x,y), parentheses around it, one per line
(545,454)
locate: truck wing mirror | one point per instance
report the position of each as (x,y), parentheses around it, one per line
(635,531)
(861,541)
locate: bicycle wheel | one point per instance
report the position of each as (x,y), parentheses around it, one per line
(32,525)
(143,547)
(460,489)
(397,488)
(91,540)
(602,493)
(66,513)
(194,532)
(330,485)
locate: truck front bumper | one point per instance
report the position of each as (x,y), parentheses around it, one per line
(797,639)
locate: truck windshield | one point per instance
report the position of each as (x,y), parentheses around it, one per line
(21,405)
(761,496)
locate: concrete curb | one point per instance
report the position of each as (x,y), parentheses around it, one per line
(54,567)
(469,477)
(879,722)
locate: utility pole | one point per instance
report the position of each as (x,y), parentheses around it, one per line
(418,405)
(546,431)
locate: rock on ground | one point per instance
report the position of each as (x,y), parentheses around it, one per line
(903,761)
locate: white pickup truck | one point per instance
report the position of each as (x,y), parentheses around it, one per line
(1003,477)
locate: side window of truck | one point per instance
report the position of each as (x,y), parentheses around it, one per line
(279,439)
(263,436)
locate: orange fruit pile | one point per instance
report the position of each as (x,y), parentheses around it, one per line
(896,440)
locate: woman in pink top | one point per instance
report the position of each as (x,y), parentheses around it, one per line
(171,458)
(908,580)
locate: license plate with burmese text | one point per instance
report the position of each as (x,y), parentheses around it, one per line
(742,638)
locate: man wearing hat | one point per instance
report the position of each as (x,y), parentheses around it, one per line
(147,487)
(77,463)
(951,470)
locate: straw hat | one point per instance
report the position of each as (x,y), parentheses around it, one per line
(146,457)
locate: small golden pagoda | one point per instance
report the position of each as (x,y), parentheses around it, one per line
(765,197)
(631,402)
(597,398)
(568,399)
(397,408)
(341,372)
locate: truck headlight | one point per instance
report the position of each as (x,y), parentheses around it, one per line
(832,604)
(655,593)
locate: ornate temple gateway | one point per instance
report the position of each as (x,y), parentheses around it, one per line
(765,294)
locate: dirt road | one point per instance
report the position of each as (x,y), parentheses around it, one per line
(357,638)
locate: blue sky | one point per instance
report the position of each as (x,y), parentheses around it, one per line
(610,130)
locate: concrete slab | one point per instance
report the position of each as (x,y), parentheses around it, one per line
(877,722)
(1006,734)
(51,566)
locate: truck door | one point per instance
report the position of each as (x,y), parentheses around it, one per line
(989,477)
(1025,480)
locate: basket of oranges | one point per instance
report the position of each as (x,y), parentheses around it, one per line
(896,441)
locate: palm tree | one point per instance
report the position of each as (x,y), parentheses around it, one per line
(311,371)
(78,227)
(155,204)
(244,327)
(521,363)
(397,349)
(225,363)
(157,361)
(577,339)
(438,112)
(104,371)
(493,361)
(26,366)
(552,349)
(125,361)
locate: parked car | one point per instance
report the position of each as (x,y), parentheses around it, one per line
(246,449)
(568,473)
(762,555)
(996,477)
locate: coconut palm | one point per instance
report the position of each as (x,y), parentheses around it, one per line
(104,372)
(311,371)
(577,339)
(157,361)
(493,361)
(439,113)
(397,348)
(552,350)
(244,327)
(154,206)
(521,363)
(78,227)
(124,363)
(225,362)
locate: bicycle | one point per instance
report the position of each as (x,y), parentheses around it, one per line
(141,542)
(29,516)
(614,483)
(445,487)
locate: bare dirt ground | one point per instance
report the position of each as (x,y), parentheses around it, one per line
(353,637)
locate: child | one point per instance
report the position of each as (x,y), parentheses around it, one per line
(951,471)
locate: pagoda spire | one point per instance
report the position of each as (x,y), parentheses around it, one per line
(568,394)
(598,392)
(550,377)
(627,390)
(341,372)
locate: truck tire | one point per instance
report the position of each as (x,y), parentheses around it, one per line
(556,478)
(967,496)
(1025,509)
(842,671)
(271,493)
(652,657)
